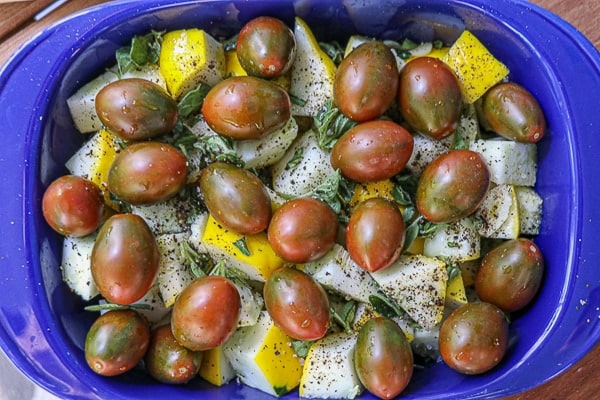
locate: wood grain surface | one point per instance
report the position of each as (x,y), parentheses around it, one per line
(581,381)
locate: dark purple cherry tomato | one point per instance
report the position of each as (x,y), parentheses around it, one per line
(206,313)
(511,111)
(303,230)
(383,358)
(124,259)
(147,172)
(236,198)
(474,338)
(246,107)
(117,342)
(168,361)
(429,97)
(73,206)
(452,186)
(375,234)
(136,109)
(366,82)
(510,274)
(266,47)
(297,304)
(372,151)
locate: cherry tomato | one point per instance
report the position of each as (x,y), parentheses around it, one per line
(246,107)
(510,274)
(452,186)
(375,234)
(236,198)
(383,358)
(73,206)
(372,151)
(297,304)
(125,259)
(136,109)
(147,172)
(168,361)
(117,342)
(303,230)
(429,97)
(266,47)
(511,111)
(366,82)
(474,338)
(206,313)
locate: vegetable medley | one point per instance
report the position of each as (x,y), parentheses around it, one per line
(300,215)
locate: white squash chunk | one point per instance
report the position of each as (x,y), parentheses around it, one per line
(418,284)
(268,150)
(158,313)
(173,274)
(311,171)
(509,162)
(337,272)
(530,210)
(82,103)
(457,241)
(426,343)
(425,150)
(76,265)
(262,357)
(329,369)
(252,305)
(312,73)
(499,213)
(169,216)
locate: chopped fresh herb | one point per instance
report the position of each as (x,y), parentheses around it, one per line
(297,100)
(143,50)
(334,50)
(437,44)
(242,246)
(198,263)
(295,160)
(336,191)
(112,306)
(408,44)
(345,317)
(385,306)
(191,103)
(301,347)
(218,148)
(331,124)
(453,270)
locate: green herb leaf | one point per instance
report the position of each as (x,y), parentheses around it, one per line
(143,50)
(295,160)
(345,317)
(112,306)
(242,246)
(331,124)
(334,50)
(385,306)
(198,263)
(301,347)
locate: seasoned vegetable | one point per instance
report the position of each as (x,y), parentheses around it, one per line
(136,109)
(125,259)
(246,107)
(116,342)
(372,151)
(429,97)
(147,172)
(266,47)
(366,81)
(73,206)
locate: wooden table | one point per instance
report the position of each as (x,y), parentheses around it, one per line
(582,381)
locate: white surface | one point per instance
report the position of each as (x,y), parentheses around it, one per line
(14,385)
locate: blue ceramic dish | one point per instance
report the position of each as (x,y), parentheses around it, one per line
(42,325)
